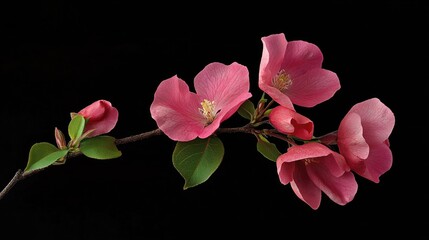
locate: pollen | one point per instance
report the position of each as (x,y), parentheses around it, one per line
(282,80)
(310,160)
(208,110)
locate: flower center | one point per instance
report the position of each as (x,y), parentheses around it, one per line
(208,110)
(282,81)
(310,160)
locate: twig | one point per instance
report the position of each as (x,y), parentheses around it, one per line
(21,175)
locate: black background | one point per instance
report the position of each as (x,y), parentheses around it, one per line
(59,56)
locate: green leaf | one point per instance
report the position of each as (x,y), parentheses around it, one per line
(42,155)
(267,149)
(198,159)
(100,147)
(247,110)
(267,113)
(263,99)
(76,126)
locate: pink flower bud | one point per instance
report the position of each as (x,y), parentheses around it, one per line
(289,122)
(101,117)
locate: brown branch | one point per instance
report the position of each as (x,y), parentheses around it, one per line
(18,176)
(138,137)
(21,175)
(245,129)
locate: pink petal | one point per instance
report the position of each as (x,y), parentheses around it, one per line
(378,162)
(304,151)
(274,47)
(222,83)
(234,107)
(304,187)
(285,171)
(224,114)
(176,110)
(334,163)
(350,140)
(95,110)
(212,127)
(226,85)
(313,87)
(340,189)
(276,95)
(301,56)
(106,125)
(101,117)
(273,50)
(377,120)
(288,121)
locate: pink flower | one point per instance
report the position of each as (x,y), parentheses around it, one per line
(291,72)
(101,117)
(313,168)
(288,121)
(183,115)
(363,138)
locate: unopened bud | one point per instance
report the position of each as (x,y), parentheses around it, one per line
(60,139)
(261,106)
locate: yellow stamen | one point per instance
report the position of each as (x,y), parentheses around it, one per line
(208,110)
(282,80)
(310,160)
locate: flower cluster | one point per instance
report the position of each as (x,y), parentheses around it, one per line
(290,76)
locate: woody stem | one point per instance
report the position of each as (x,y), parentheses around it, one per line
(21,175)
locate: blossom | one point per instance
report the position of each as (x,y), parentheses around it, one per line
(291,72)
(290,122)
(219,91)
(363,138)
(101,117)
(313,168)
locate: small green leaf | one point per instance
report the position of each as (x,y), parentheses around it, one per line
(100,147)
(267,149)
(263,99)
(267,113)
(76,126)
(247,110)
(198,159)
(42,155)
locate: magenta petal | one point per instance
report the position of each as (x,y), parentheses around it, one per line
(377,119)
(288,121)
(350,140)
(301,56)
(313,87)
(340,189)
(175,110)
(304,187)
(378,162)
